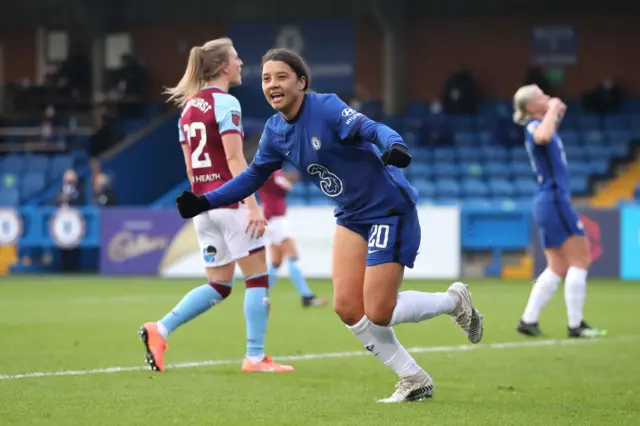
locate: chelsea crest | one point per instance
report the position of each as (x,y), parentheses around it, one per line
(315,143)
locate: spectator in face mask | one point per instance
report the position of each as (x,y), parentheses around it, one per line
(103,192)
(71,194)
(437,129)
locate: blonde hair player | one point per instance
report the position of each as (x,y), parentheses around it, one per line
(282,245)
(211,136)
(377,230)
(561,230)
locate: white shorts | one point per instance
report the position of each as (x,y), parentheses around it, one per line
(278,230)
(222,236)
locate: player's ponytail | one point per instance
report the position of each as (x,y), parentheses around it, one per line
(520,100)
(204,64)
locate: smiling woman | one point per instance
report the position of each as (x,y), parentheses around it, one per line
(284,77)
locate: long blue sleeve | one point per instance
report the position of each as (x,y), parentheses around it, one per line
(380,134)
(240,187)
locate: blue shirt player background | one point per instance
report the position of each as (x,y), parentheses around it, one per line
(552,209)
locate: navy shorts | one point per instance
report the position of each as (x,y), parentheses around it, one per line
(390,239)
(557,221)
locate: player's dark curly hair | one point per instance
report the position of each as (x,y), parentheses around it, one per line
(292,59)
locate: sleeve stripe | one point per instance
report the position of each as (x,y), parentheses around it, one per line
(226,132)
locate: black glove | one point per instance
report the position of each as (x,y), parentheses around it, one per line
(191,205)
(397,155)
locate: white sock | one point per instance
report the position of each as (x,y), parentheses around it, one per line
(255,359)
(575,291)
(416,306)
(382,342)
(542,291)
(162,330)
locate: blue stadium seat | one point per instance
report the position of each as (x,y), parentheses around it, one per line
(319,201)
(494,153)
(471,170)
(525,187)
(575,153)
(372,109)
(618,136)
(446,170)
(444,154)
(32,183)
(579,168)
(416,109)
(597,152)
(518,154)
(13,164)
(500,188)
(410,137)
(619,150)
(58,164)
(464,123)
(497,170)
(600,167)
(299,190)
(37,163)
(9,196)
(447,189)
(474,188)
(425,188)
(579,185)
(296,201)
(615,122)
(465,138)
(591,137)
(521,169)
(469,154)
(421,170)
(485,138)
(589,122)
(477,202)
(569,137)
(422,154)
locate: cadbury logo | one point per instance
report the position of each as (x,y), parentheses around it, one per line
(125,245)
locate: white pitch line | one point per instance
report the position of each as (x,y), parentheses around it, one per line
(428,349)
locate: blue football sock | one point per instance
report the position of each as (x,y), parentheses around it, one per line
(273,271)
(256,312)
(194,303)
(297,278)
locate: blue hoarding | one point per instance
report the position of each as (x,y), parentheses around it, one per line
(328,47)
(630,241)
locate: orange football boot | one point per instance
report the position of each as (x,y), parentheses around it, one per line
(265,366)
(155,345)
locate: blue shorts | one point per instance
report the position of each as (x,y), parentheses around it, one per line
(390,239)
(557,221)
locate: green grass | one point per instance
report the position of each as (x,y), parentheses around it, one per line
(54,324)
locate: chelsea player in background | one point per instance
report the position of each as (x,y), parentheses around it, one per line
(377,233)
(561,230)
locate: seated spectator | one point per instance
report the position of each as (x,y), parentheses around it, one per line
(102,140)
(103,191)
(605,99)
(535,75)
(460,94)
(437,128)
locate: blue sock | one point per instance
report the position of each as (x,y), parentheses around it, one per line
(194,303)
(297,278)
(256,312)
(273,270)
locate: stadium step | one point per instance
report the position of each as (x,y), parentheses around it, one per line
(620,188)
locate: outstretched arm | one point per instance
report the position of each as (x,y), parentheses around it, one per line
(240,187)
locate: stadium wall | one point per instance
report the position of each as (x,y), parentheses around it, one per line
(436,47)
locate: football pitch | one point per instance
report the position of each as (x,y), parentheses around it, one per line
(70,355)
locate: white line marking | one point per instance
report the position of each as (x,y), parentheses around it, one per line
(428,349)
